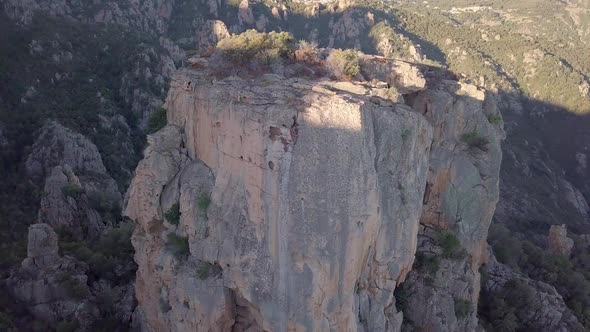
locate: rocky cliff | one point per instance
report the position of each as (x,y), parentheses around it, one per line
(298,204)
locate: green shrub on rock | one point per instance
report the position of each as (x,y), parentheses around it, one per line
(494,119)
(308,52)
(157,121)
(173,214)
(178,245)
(427,263)
(253,46)
(450,245)
(204,202)
(344,64)
(462,308)
(72,190)
(204,269)
(475,141)
(67,326)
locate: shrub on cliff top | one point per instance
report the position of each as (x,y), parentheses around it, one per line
(260,47)
(344,64)
(308,52)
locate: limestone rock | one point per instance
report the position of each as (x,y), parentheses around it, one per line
(547,312)
(575,197)
(558,241)
(210,33)
(459,202)
(58,145)
(402,76)
(348,29)
(42,246)
(265,152)
(53,288)
(393,44)
(245,15)
(76,185)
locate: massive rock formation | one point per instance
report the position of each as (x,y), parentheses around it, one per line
(292,203)
(544,310)
(558,242)
(52,287)
(78,192)
(460,198)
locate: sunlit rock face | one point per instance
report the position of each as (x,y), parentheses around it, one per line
(299,202)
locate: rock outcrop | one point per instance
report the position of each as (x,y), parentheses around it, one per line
(52,287)
(559,243)
(459,202)
(544,311)
(77,187)
(210,33)
(299,202)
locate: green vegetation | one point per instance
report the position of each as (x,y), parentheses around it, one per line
(74,287)
(178,245)
(548,67)
(157,120)
(401,297)
(204,270)
(344,64)
(475,141)
(259,47)
(173,214)
(67,326)
(462,308)
(406,134)
(204,201)
(571,277)
(105,204)
(77,62)
(501,309)
(398,46)
(72,190)
(427,263)
(450,245)
(110,257)
(165,305)
(308,52)
(495,119)
(6,322)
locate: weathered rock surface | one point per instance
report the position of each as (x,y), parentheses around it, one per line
(300,201)
(245,15)
(459,202)
(210,33)
(3,140)
(559,243)
(52,287)
(547,310)
(77,186)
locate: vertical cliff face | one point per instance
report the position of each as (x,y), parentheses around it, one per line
(292,204)
(459,203)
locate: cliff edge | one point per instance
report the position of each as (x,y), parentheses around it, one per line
(289,203)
